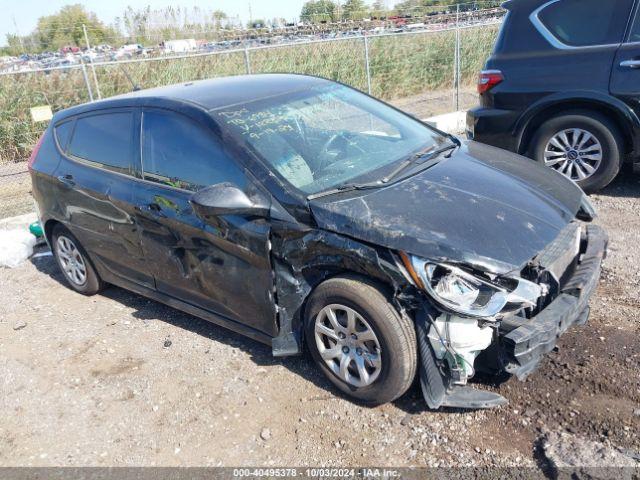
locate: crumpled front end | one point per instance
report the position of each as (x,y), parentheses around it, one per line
(453,347)
(523,341)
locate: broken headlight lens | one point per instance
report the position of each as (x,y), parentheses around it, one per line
(473,295)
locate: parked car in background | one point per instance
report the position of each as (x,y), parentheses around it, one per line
(128,51)
(563,87)
(69,49)
(294,209)
(179,46)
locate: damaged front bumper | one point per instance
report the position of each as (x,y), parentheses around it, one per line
(524,347)
(517,348)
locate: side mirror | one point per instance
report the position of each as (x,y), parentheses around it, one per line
(227,199)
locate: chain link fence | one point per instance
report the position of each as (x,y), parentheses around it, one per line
(425,73)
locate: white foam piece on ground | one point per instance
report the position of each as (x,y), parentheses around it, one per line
(16,245)
(453,122)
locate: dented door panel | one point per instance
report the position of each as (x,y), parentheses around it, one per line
(222,267)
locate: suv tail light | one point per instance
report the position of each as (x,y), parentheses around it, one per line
(34,153)
(489,79)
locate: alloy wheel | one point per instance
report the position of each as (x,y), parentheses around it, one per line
(575,153)
(348,345)
(71,260)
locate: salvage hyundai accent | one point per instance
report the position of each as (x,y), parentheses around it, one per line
(296,211)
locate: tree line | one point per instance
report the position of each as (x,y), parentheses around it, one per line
(145,25)
(319,11)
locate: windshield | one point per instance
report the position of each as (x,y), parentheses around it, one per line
(326,136)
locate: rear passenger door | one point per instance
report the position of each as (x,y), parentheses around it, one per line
(223,266)
(625,78)
(95,187)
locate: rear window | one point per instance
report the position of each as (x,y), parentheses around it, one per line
(105,139)
(583,23)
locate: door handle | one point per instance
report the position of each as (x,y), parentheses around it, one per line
(630,64)
(67,180)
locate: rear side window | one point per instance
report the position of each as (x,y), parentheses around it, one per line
(63,133)
(180,153)
(634,35)
(584,23)
(105,139)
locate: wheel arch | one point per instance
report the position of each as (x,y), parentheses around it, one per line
(303,261)
(385,286)
(623,117)
(48,227)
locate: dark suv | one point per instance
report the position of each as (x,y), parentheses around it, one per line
(563,87)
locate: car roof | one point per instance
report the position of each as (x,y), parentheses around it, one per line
(206,94)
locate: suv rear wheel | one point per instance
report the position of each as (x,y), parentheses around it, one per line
(583,146)
(360,341)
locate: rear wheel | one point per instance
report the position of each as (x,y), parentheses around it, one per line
(583,146)
(74,262)
(359,340)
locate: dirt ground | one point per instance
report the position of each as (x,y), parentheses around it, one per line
(116,380)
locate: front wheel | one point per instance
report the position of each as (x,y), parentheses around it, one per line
(583,146)
(359,341)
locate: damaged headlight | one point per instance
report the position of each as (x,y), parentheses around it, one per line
(469,294)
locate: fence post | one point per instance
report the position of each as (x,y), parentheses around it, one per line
(86,79)
(93,68)
(247,62)
(456,76)
(367,64)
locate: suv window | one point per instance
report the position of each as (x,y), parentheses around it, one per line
(583,23)
(105,139)
(180,153)
(634,35)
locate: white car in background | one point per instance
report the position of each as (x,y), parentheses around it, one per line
(180,46)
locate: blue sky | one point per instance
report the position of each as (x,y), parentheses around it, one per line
(27,12)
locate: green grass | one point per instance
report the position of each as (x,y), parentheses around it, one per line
(400,66)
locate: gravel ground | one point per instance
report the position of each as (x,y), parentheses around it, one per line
(116,380)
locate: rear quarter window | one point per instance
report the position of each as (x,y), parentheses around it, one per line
(584,23)
(63,134)
(105,139)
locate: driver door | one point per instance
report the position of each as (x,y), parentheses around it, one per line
(222,266)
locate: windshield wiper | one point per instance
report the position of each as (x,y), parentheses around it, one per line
(429,157)
(347,187)
(429,154)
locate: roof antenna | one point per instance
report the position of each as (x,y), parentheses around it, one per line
(135,86)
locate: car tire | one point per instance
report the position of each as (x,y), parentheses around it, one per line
(74,262)
(607,140)
(390,370)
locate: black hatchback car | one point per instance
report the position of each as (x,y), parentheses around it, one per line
(563,87)
(293,208)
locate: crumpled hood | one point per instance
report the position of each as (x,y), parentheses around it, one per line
(483,207)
